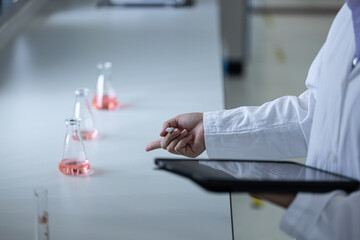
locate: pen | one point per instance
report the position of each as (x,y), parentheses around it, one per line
(169,129)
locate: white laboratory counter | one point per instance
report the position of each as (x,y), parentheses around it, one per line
(166,61)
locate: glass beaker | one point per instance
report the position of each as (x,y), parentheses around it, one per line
(42,215)
(82,111)
(105,95)
(74,161)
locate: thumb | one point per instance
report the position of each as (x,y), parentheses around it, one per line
(169,123)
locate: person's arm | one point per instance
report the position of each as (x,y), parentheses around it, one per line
(276,130)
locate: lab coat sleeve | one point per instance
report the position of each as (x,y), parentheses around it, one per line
(271,131)
(334,215)
(279,129)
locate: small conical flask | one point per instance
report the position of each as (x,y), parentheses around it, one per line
(105,96)
(74,161)
(82,111)
(42,215)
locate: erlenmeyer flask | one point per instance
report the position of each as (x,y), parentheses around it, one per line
(82,111)
(42,215)
(74,161)
(105,96)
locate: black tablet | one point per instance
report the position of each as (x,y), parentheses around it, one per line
(257,176)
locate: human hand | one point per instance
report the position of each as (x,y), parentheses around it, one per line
(186,139)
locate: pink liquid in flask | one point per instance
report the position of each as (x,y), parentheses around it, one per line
(107,102)
(87,135)
(74,167)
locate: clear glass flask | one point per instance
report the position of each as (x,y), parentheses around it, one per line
(105,95)
(42,215)
(74,161)
(82,111)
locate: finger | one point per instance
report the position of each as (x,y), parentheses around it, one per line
(170,123)
(180,147)
(153,145)
(175,141)
(169,137)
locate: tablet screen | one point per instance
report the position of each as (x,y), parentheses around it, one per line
(267,171)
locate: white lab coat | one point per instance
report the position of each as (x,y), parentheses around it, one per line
(322,123)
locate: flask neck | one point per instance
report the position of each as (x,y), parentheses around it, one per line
(81,100)
(106,73)
(73,136)
(83,112)
(72,130)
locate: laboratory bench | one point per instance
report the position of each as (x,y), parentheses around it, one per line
(166,61)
